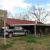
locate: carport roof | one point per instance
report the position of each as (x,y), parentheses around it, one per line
(10,21)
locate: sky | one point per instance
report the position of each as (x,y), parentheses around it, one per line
(20,6)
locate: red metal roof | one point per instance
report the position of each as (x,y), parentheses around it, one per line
(11,21)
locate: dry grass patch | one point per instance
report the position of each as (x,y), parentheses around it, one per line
(29,42)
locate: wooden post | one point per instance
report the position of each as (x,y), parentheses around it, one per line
(4,31)
(35,27)
(5,16)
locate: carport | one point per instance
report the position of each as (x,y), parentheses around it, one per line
(28,25)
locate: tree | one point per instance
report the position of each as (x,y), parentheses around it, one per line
(39,13)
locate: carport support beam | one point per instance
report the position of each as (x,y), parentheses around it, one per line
(35,30)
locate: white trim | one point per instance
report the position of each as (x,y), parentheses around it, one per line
(30,24)
(22,24)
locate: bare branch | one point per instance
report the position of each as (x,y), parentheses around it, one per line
(38,12)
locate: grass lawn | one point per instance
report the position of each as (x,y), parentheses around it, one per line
(28,42)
